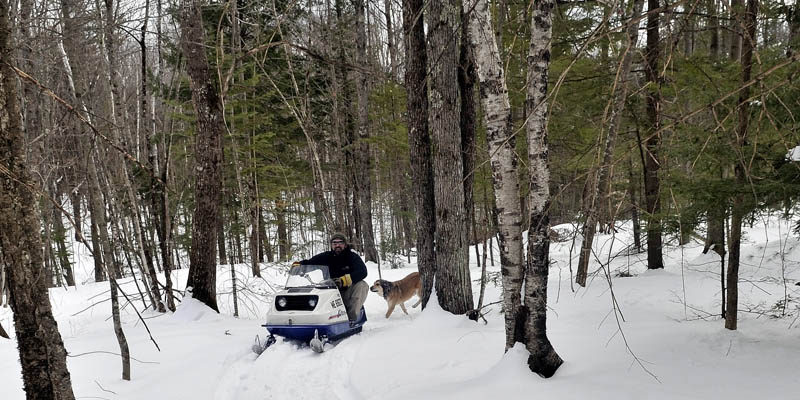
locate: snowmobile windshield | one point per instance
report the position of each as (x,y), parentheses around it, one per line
(309,276)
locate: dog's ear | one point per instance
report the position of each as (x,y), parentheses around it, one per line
(387,287)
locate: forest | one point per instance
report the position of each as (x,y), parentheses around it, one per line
(170,135)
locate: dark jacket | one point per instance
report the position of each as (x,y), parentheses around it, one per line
(348,262)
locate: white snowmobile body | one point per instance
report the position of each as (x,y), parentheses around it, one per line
(310,307)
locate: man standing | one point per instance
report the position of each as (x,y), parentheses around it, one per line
(347,271)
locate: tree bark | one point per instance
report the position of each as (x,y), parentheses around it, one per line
(505,179)
(543,359)
(713,27)
(736,30)
(467,75)
(363,184)
(208,158)
(420,142)
(453,285)
(793,18)
(740,168)
(652,163)
(41,349)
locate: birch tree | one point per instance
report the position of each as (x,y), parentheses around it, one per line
(533,315)
(505,179)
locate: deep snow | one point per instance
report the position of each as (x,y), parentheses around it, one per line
(672,344)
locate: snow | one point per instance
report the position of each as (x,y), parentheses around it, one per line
(671,345)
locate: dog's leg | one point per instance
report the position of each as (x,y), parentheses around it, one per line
(403,307)
(389,311)
(419,297)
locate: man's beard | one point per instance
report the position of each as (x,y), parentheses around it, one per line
(338,250)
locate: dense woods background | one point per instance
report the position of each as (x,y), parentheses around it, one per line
(676,115)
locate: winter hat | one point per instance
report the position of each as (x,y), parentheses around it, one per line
(338,236)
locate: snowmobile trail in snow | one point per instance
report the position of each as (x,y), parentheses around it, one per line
(288,370)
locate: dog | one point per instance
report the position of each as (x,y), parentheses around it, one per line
(398,292)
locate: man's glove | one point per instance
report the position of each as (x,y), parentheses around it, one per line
(296,264)
(343,281)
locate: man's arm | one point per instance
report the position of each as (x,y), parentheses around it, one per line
(319,259)
(358,270)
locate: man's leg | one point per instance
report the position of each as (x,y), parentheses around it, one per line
(354,298)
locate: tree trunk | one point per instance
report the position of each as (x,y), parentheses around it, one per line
(713,27)
(41,349)
(652,186)
(793,18)
(283,231)
(208,158)
(419,142)
(543,359)
(106,256)
(221,247)
(736,31)
(363,186)
(60,236)
(467,75)
(742,182)
(387,5)
(453,285)
(505,179)
(599,209)
(635,202)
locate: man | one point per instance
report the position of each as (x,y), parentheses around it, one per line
(347,271)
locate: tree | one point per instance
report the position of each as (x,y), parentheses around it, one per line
(363,181)
(599,189)
(505,179)
(741,167)
(419,142)
(41,349)
(453,285)
(652,186)
(208,157)
(533,314)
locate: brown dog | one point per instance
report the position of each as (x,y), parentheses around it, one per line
(398,292)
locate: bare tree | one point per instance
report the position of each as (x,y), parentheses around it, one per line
(41,349)
(208,157)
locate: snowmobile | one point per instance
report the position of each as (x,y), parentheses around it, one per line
(309,310)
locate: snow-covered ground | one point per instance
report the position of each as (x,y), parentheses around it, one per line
(664,340)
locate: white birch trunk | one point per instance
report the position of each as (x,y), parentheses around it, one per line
(497,118)
(543,359)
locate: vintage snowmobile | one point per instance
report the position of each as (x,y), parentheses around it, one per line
(309,310)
